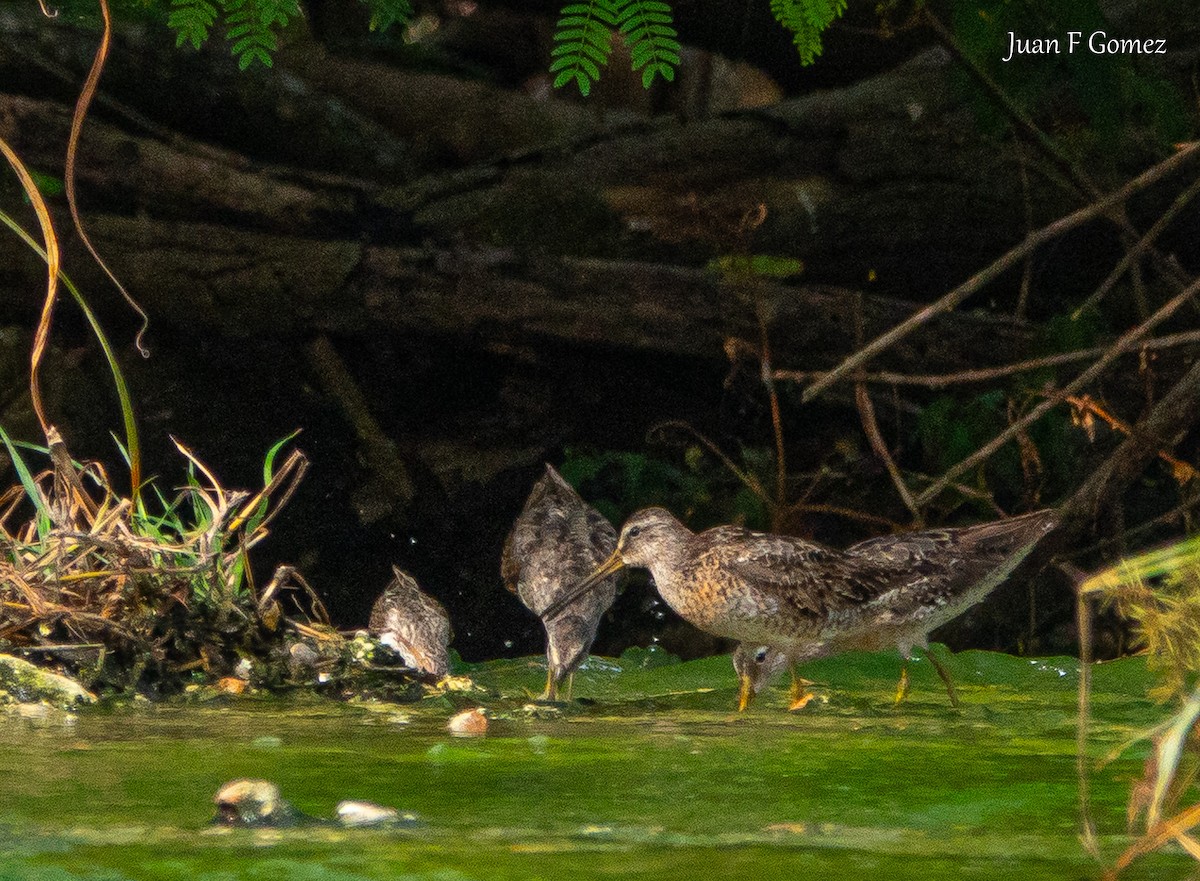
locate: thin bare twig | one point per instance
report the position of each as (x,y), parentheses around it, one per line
(846,513)
(748,480)
(1027,269)
(1072,169)
(1143,244)
(1125,537)
(866,412)
(752,483)
(985,276)
(983,453)
(986,374)
(380,451)
(764,358)
(1086,407)
(81,108)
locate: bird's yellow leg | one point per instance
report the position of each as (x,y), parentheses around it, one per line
(945,674)
(800,695)
(551,692)
(570,684)
(902,687)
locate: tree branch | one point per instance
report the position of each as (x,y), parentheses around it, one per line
(1057,397)
(999,266)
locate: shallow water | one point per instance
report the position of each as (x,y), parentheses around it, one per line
(656,778)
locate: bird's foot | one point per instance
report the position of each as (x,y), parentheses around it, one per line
(543,698)
(800,694)
(800,702)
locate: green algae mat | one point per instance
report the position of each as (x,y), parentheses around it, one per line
(650,775)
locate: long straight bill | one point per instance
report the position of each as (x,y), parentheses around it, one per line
(607,568)
(745,693)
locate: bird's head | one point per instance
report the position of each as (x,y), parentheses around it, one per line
(755,665)
(649,536)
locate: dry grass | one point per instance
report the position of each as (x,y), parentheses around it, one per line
(1159,594)
(153,593)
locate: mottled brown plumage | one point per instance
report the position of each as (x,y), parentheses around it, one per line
(413,623)
(556,541)
(809,601)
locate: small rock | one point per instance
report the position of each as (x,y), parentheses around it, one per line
(469,723)
(247,802)
(364,813)
(24,683)
(243,669)
(301,658)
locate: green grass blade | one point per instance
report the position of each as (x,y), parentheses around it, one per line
(269,462)
(123,396)
(27,481)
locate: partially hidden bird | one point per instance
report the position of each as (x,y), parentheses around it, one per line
(788,600)
(413,624)
(556,541)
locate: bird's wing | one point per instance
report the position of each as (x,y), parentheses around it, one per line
(444,629)
(601,536)
(510,563)
(811,579)
(929,550)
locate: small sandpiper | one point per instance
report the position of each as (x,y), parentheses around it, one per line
(557,540)
(806,601)
(414,624)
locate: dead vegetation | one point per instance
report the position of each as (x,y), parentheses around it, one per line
(1158,593)
(124,591)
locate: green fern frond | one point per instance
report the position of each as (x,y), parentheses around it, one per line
(584,39)
(807,20)
(385,13)
(191,21)
(251,26)
(647,26)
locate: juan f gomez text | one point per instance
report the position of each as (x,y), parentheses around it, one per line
(1095,43)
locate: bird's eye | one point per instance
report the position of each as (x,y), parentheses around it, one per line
(633,531)
(760,656)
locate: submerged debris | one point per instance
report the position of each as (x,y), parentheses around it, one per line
(248,802)
(258,803)
(359,814)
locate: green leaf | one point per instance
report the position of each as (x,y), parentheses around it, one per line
(47,184)
(269,462)
(27,482)
(584,43)
(191,20)
(653,47)
(760,265)
(807,20)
